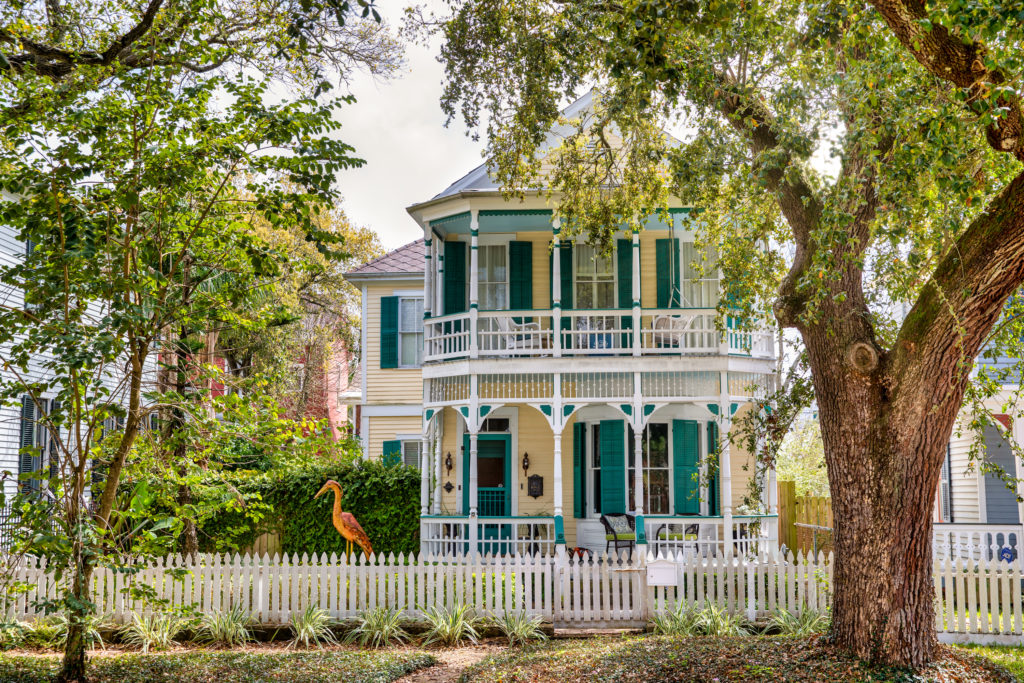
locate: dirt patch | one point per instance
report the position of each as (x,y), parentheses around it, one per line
(451,662)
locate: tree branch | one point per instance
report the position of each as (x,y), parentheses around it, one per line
(957,308)
(962,63)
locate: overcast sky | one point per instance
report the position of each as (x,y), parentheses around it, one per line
(398,128)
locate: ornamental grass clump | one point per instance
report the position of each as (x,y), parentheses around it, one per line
(154,632)
(229,628)
(681,621)
(805,623)
(313,626)
(716,621)
(520,628)
(92,636)
(450,626)
(378,627)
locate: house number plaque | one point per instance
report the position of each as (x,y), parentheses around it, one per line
(535,486)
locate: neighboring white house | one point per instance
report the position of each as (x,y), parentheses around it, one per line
(19,427)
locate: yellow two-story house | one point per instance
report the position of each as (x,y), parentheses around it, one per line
(555,397)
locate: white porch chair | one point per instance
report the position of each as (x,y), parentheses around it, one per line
(670,329)
(520,336)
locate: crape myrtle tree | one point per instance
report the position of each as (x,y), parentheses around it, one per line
(137,199)
(849,159)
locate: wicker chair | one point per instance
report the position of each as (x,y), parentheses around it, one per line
(620,531)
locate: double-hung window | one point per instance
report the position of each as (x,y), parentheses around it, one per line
(410,332)
(595,278)
(411,453)
(492,277)
(655,471)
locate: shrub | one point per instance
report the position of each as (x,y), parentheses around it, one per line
(716,621)
(43,633)
(12,634)
(378,627)
(450,626)
(803,624)
(681,621)
(384,499)
(520,628)
(311,627)
(156,632)
(229,628)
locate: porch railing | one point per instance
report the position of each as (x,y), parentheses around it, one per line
(954,541)
(452,536)
(535,333)
(709,536)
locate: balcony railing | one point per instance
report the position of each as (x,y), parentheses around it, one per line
(536,333)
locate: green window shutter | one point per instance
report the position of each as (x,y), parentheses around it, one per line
(389,331)
(454,277)
(28,455)
(579,470)
(566,273)
(686,458)
(520,262)
(624,263)
(613,466)
(666,257)
(713,492)
(392,452)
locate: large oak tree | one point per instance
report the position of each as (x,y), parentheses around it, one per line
(850,158)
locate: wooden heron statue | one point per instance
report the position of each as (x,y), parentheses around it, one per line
(345,522)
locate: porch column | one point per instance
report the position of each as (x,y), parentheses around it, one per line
(474,282)
(638,484)
(557,483)
(724,465)
(773,509)
(425,471)
(637,337)
(473,495)
(438,436)
(556,290)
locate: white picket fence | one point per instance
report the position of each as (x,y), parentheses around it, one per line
(975,601)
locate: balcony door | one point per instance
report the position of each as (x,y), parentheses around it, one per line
(494,474)
(594,288)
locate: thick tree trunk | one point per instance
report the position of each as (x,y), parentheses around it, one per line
(74,663)
(884,444)
(882,498)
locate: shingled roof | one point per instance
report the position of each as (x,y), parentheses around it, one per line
(406,260)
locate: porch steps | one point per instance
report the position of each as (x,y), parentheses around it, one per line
(574,633)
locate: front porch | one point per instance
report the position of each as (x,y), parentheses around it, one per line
(535,480)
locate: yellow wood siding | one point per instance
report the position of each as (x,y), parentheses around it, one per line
(648,268)
(387,386)
(386,428)
(541,273)
(741,465)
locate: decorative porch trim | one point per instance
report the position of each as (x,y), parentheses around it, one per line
(559,530)
(641,531)
(626,408)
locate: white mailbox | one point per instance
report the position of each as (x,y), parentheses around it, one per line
(661,573)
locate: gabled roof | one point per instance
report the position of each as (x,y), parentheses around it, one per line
(480,180)
(407,260)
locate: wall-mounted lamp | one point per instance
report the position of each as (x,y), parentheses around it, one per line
(526,461)
(448,462)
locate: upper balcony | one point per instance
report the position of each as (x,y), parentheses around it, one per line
(554,333)
(503,283)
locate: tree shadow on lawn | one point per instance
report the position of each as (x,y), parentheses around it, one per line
(705,658)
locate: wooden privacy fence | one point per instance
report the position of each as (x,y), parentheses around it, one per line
(976,601)
(805,522)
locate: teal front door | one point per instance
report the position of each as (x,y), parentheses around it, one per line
(494,484)
(494,475)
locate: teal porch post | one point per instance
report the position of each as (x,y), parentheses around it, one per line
(638,500)
(559,523)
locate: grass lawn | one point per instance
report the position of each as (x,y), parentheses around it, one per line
(663,658)
(1012,657)
(306,666)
